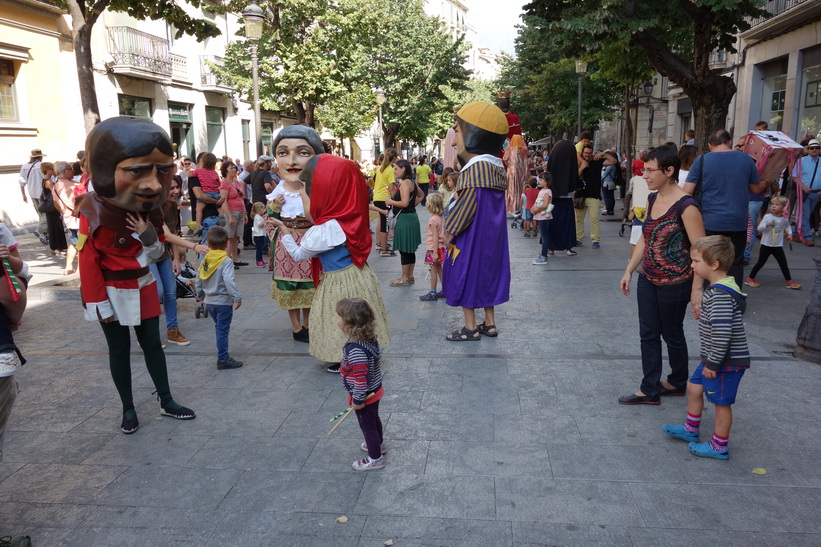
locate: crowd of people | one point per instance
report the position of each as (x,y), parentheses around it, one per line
(309,216)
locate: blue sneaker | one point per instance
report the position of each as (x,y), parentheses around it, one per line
(706,450)
(596,245)
(680,432)
(578,243)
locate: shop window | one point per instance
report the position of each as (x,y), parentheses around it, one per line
(135,106)
(809,113)
(215,129)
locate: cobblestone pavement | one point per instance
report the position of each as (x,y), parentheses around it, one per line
(516,440)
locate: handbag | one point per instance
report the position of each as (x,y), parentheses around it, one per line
(46,201)
(392,220)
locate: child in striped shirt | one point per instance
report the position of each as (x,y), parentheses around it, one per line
(362,376)
(724,352)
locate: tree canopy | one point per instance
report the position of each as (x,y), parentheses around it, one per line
(324,61)
(676,36)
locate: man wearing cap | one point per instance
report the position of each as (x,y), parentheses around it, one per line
(811,184)
(32,178)
(261,180)
(477,265)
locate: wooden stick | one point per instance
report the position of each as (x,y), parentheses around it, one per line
(345,415)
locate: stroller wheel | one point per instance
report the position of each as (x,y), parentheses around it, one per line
(197,313)
(621,231)
(205,312)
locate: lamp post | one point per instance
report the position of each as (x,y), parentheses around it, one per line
(254,18)
(380,100)
(581,68)
(648,92)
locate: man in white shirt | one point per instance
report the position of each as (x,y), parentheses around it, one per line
(31,179)
(811,183)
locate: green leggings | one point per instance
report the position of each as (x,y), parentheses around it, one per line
(119,358)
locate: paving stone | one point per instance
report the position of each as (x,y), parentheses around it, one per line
(571,502)
(707,538)
(159,486)
(37,447)
(744,508)
(251,527)
(253,452)
(290,492)
(337,454)
(654,464)
(439,427)
(435,531)
(488,459)
(58,483)
(543,533)
(426,496)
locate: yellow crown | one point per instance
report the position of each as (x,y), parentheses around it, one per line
(485,116)
(504,94)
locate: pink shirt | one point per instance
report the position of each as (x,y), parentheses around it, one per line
(547,196)
(235,202)
(436,233)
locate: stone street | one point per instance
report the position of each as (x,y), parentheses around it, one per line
(516,440)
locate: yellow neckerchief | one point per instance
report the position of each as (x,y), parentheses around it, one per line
(211,262)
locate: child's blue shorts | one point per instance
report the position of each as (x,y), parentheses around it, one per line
(720,390)
(527,215)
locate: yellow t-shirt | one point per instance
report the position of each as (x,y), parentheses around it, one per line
(382,180)
(423,174)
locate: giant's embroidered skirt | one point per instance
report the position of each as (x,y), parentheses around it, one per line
(327,338)
(480,275)
(292,286)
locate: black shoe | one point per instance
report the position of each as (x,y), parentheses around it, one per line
(634,399)
(227,363)
(675,392)
(236,267)
(302,336)
(333,369)
(240,263)
(42,237)
(129,425)
(180,413)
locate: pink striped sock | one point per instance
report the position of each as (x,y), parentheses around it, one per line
(719,443)
(693,422)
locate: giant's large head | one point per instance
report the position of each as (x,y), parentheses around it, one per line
(503,100)
(481,128)
(293,147)
(130,162)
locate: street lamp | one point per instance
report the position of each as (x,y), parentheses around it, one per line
(254,18)
(380,100)
(581,68)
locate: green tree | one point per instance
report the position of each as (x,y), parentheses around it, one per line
(677,37)
(543,84)
(85,13)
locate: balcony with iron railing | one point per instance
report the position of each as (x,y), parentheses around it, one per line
(209,79)
(139,54)
(776,8)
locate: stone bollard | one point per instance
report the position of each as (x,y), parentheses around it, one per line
(808,340)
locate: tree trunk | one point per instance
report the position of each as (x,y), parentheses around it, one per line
(710,107)
(628,123)
(389,132)
(310,120)
(85,75)
(299,110)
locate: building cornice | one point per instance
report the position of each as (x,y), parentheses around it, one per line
(36,6)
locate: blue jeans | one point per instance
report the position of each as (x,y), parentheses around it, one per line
(609,199)
(167,289)
(754,208)
(809,206)
(661,314)
(222,316)
(207,224)
(544,230)
(259,242)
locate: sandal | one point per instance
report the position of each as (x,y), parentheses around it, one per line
(464,335)
(485,329)
(570,252)
(399,283)
(387,253)
(69,271)
(411,280)
(550,252)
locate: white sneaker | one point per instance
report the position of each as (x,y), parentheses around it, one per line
(540,261)
(369,464)
(9,363)
(382,448)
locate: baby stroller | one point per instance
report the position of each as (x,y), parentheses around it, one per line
(517,219)
(185,287)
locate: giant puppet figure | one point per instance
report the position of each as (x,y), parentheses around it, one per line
(477,266)
(130,162)
(514,127)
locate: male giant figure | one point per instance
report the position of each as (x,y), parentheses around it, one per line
(477,266)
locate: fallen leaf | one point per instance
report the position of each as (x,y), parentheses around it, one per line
(342,520)
(388,543)
(760,471)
